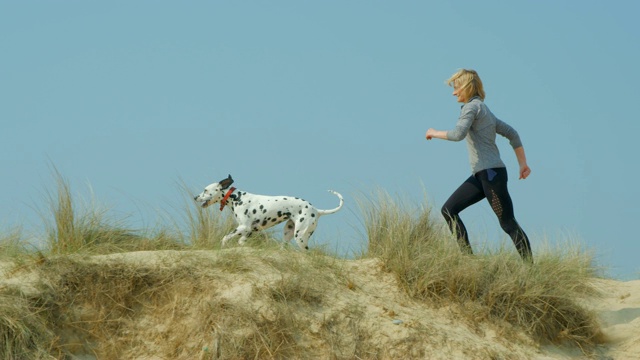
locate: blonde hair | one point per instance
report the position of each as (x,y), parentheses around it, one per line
(469,82)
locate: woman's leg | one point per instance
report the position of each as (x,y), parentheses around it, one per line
(469,193)
(494,183)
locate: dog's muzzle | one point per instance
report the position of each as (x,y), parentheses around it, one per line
(204,203)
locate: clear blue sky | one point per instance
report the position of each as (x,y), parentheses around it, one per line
(297,97)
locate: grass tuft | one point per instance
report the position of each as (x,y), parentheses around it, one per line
(538,298)
(71,230)
(24,334)
(12,244)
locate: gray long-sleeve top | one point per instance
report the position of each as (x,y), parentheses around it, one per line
(479,126)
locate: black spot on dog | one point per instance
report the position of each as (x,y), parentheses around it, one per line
(300,212)
(255,211)
(313,215)
(301,219)
(261,207)
(279,213)
(246,211)
(264,223)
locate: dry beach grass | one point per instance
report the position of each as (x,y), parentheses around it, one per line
(101,291)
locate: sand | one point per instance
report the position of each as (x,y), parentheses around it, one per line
(619,311)
(399,324)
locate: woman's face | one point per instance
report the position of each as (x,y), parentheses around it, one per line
(457,92)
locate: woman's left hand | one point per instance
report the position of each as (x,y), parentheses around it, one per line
(525,171)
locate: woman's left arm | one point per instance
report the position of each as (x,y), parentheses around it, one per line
(525,171)
(510,133)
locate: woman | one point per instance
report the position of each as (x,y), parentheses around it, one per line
(489,180)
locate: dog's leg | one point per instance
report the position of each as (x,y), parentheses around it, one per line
(227,237)
(289,227)
(243,238)
(303,234)
(240,230)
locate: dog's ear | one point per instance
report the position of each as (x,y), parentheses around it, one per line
(226,182)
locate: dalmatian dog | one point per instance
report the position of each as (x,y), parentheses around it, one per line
(258,212)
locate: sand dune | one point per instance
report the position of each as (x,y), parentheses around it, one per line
(364,302)
(619,311)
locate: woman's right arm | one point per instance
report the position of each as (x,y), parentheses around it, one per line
(438,134)
(463,125)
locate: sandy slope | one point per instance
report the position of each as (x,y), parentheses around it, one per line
(619,310)
(400,326)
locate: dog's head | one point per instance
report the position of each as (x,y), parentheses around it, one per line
(214,192)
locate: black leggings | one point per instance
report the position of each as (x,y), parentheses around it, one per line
(492,185)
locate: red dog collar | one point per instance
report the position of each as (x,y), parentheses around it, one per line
(223,202)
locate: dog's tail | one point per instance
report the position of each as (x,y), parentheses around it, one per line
(327,212)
